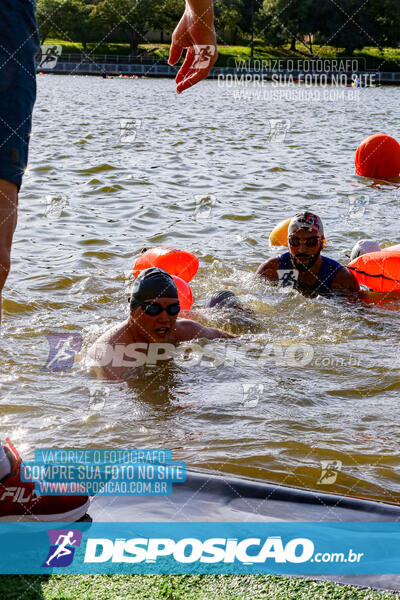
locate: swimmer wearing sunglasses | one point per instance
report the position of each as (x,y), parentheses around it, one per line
(303,267)
(153,318)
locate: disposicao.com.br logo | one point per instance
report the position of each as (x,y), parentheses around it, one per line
(286,548)
(248,551)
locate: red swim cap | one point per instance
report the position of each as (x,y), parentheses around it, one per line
(378,157)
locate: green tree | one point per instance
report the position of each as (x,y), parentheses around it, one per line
(69,19)
(293,22)
(348,24)
(228,16)
(134,18)
(50,14)
(386,15)
(167,15)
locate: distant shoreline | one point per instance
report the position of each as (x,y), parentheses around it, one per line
(243,76)
(369,58)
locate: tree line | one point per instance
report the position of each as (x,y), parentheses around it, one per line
(348,24)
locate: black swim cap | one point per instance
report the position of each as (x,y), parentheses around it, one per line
(223,298)
(151,284)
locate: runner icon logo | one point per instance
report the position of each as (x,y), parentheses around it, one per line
(62,550)
(329,473)
(252,394)
(48,56)
(55,206)
(204,207)
(287,277)
(204,54)
(63,347)
(278,130)
(357,205)
(97,397)
(128,130)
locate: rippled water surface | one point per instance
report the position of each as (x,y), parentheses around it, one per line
(91,202)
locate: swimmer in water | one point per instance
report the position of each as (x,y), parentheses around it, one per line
(224,299)
(364,247)
(230,308)
(303,267)
(153,318)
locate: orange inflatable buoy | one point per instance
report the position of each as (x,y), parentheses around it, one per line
(175,262)
(378,157)
(184,293)
(379,271)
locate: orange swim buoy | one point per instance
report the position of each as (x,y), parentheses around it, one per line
(379,271)
(378,157)
(175,262)
(184,293)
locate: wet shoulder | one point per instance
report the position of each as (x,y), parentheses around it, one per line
(185,329)
(269,268)
(114,335)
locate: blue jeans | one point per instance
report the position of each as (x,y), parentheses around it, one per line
(19,42)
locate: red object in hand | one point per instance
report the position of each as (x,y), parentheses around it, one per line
(378,157)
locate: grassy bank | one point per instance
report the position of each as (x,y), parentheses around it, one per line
(388,60)
(177,587)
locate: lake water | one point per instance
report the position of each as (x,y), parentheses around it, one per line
(92,199)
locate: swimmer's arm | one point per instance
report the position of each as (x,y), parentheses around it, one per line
(269,269)
(190,330)
(345,283)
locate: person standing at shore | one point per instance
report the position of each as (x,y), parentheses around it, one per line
(19,42)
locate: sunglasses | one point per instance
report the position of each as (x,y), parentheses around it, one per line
(154,308)
(310,242)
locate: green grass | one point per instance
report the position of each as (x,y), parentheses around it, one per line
(177,587)
(388,60)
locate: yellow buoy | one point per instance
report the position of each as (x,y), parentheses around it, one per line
(278,236)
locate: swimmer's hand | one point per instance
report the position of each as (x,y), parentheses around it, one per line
(195,31)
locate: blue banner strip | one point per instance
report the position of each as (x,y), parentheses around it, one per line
(278,547)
